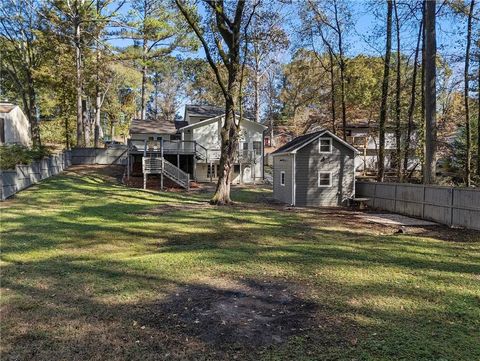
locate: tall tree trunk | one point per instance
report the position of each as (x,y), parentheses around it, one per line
(98,100)
(144,79)
(32,111)
(398,130)
(342,72)
(332,93)
(256,85)
(229,135)
(411,108)
(478,117)
(422,90)
(383,106)
(468,158)
(79,85)
(430,94)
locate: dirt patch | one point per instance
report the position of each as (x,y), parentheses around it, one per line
(242,317)
(110,173)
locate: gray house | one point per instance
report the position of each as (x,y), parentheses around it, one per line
(316,169)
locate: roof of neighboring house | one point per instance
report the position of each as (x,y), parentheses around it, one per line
(139,126)
(6,107)
(180,124)
(301,141)
(214,119)
(209,111)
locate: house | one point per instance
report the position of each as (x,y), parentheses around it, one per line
(193,146)
(14,125)
(363,135)
(315,169)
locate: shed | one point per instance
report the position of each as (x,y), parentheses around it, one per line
(14,125)
(315,169)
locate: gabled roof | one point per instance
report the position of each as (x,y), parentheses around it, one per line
(209,111)
(139,126)
(6,107)
(299,142)
(211,120)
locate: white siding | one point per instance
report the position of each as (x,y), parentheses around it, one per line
(17,127)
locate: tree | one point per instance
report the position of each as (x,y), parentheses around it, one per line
(411,107)
(398,109)
(156,30)
(331,18)
(21,56)
(468,160)
(266,39)
(169,82)
(385,84)
(429,169)
(226,28)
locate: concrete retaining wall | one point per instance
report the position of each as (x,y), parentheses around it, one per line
(13,181)
(447,205)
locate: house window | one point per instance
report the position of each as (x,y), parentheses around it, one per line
(236,168)
(267,141)
(210,171)
(245,146)
(325,145)
(175,137)
(282,178)
(324,179)
(257,147)
(213,170)
(150,138)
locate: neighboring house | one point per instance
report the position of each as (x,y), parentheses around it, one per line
(193,145)
(14,125)
(315,169)
(281,135)
(363,135)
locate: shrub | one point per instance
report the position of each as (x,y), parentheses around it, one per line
(11,155)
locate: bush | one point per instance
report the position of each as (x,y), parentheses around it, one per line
(11,155)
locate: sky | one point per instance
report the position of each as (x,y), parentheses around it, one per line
(366,35)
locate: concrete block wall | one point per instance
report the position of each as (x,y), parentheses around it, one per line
(24,176)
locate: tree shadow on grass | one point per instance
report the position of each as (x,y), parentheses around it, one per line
(99,277)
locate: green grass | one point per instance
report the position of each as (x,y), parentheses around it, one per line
(94,270)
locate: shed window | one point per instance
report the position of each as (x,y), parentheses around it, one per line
(324,179)
(282,178)
(325,145)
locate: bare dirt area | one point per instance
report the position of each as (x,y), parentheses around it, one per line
(235,320)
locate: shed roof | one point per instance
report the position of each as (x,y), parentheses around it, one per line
(139,126)
(299,142)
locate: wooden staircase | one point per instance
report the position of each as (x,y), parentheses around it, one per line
(159,165)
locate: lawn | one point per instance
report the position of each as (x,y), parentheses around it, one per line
(94,270)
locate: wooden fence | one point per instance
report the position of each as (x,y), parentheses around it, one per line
(447,205)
